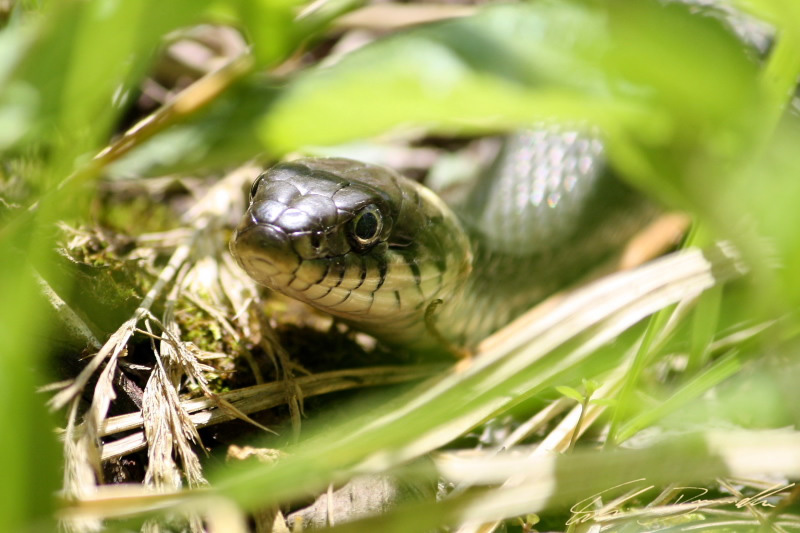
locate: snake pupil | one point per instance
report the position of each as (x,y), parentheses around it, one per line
(367,226)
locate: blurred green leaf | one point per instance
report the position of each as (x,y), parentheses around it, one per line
(509,66)
(270,26)
(715,374)
(277,28)
(501,67)
(468,74)
(705,323)
(223,134)
(590,386)
(757,209)
(569,392)
(78,57)
(64,69)
(28,450)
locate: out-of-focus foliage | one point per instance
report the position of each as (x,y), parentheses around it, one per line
(67,70)
(689,114)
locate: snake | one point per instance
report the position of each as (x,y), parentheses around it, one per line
(390,257)
(379,251)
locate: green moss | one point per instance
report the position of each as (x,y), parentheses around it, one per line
(138,215)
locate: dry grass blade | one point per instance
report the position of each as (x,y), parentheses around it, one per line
(164,424)
(169,430)
(763,518)
(240,291)
(80,464)
(124,500)
(530,426)
(219,514)
(167,426)
(101,400)
(205,411)
(217,314)
(283,367)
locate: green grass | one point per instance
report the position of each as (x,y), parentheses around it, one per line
(689,117)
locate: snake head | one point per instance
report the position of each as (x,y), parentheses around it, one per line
(355,240)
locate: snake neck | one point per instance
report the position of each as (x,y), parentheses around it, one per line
(543,216)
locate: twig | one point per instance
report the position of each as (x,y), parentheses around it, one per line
(203,411)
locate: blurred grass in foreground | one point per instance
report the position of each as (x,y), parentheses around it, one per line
(689,116)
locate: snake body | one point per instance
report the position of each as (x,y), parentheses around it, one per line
(375,249)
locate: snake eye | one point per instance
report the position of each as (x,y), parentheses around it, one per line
(254,187)
(366,226)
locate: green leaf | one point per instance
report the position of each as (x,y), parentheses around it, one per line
(70,69)
(719,371)
(28,449)
(493,70)
(704,322)
(569,392)
(270,26)
(590,386)
(757,209)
